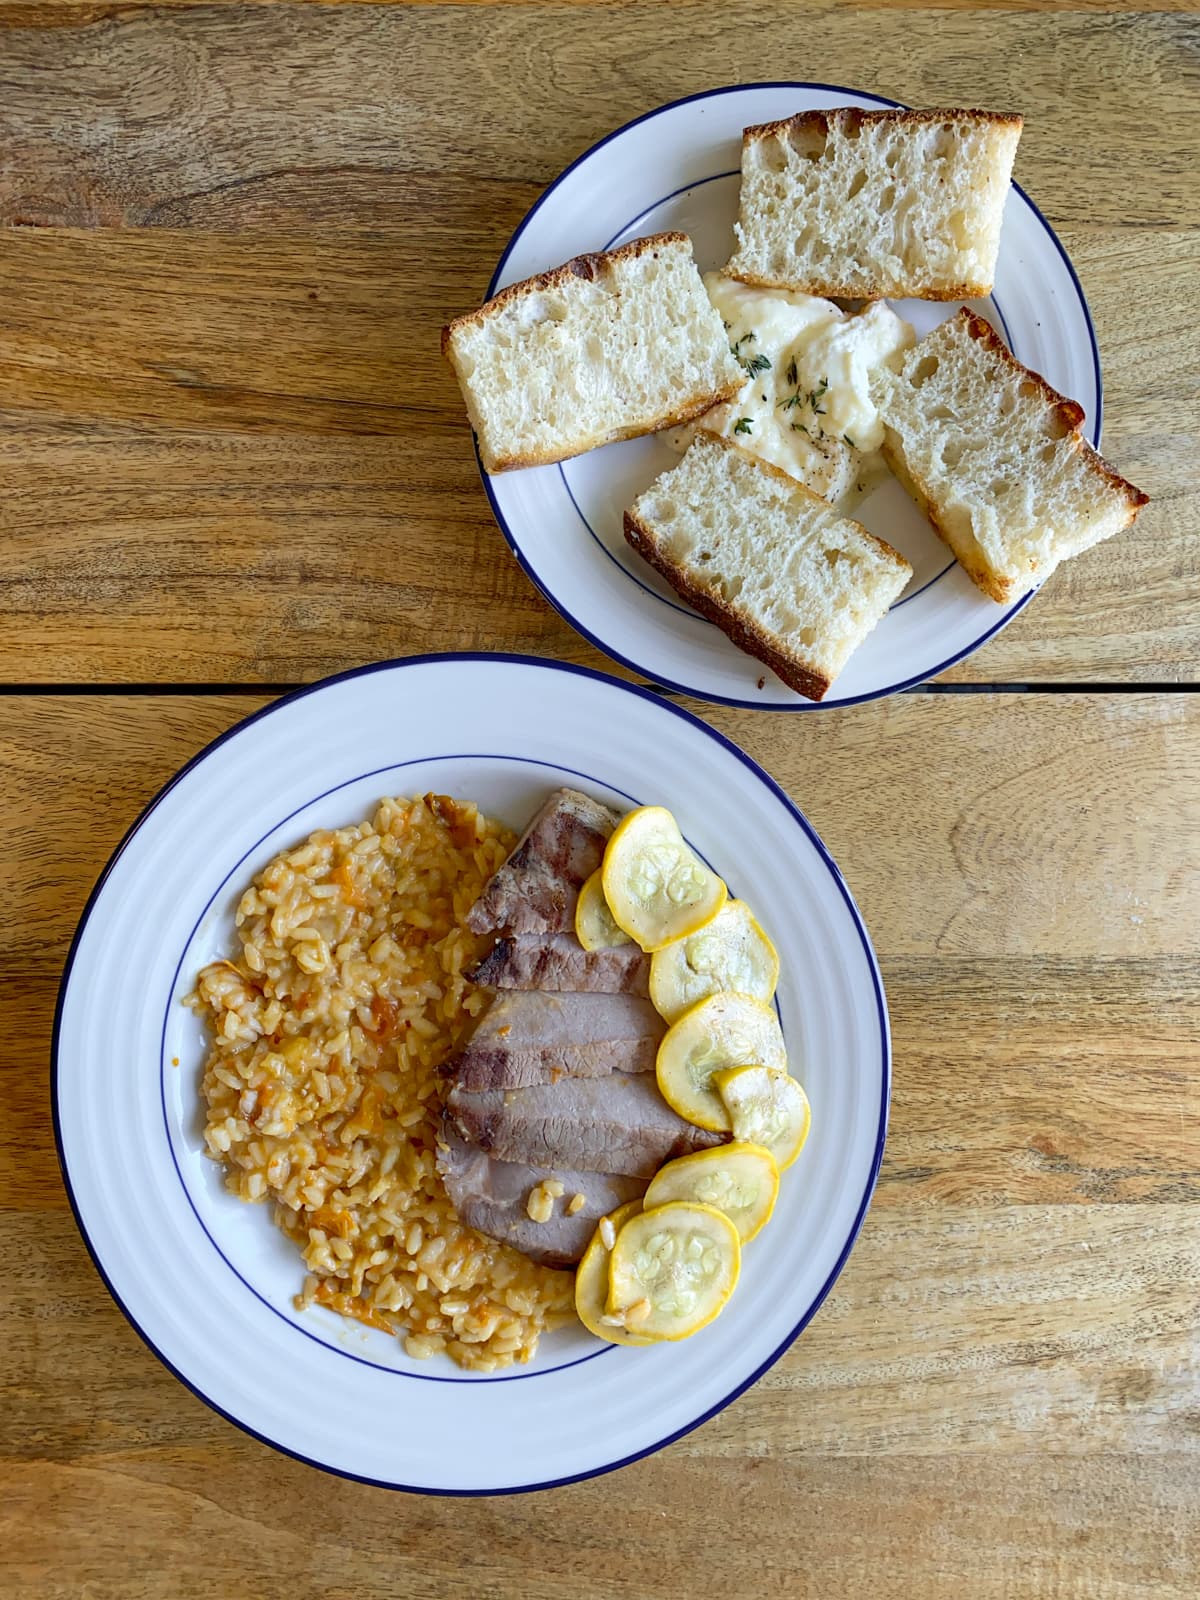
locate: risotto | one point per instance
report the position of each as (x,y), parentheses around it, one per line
(345,994)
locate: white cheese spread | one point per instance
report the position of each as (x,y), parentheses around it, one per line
(806,405)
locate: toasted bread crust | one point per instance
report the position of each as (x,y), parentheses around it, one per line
(747,637)
(846,117)
(585,266)
(998,586)
(1069,412)
(828,290)
(993,585)
(743,632)
(686,412)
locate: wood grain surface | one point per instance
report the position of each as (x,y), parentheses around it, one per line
(235,232)
(1002,1384)
(231,458)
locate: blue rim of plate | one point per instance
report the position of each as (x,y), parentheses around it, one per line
(806,828)
(657,678)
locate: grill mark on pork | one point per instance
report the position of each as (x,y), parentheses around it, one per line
(535,890)
(619,1124)
(490,1196)
(559,962)
(528,1036)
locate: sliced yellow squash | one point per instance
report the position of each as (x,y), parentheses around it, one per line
(673,1269)
(657,888)
(741,1180)
(767,1107)
(731,954)
(591,1281)
(594,925)
(726,1030)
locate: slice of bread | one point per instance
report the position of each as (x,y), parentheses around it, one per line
(606,347)
(771,563)
(995,457)
(860,204)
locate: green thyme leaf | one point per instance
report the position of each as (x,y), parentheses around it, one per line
(743,425)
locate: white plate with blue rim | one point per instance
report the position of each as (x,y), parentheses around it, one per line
(678,168)
(209,1282)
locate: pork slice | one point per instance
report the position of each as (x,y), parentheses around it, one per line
(528,1036)
(491,1196)
(617,1124)
(559,962)
(536,888)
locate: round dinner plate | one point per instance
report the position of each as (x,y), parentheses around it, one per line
(208,1281)
(679,168)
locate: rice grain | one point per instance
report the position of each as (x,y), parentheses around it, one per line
(321,1088)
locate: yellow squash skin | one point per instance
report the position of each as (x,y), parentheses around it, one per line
(678,1265)
(723,1031)
(657,888)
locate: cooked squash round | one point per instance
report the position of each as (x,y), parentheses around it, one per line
(657,888)
(767,1107)
(591,1282)
(726,1030)
(594,925)
(730,954)
(741,1180)
(673,1269)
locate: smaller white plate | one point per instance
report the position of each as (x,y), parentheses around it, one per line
(679,168)
(209,1281)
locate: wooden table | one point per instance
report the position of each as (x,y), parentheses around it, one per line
(231,461)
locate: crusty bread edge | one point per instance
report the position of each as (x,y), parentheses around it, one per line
(1070,412)
(871,290)
(585,266)
(856,115)
(829,289)
(754,641)
(687,412)
(741,631)
(1002,590)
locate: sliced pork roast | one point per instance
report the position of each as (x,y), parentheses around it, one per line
(529,1036)
(536,889)
(615,1124)
(492,1195)
(557,1081)
(558,962)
